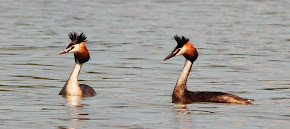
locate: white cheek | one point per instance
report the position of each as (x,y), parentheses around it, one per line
(76,48)
(181,52)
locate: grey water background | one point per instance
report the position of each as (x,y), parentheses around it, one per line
(243,49)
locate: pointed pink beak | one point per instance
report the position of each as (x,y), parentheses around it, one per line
(66,50)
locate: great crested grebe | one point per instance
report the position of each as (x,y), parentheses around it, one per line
(181,94)
(82,55)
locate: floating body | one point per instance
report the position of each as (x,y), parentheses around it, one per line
(81,54)
(181,94)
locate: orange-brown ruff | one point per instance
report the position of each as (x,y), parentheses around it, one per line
(181,94)
(81,54)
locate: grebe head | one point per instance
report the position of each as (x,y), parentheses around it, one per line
(185,48)
(77,46)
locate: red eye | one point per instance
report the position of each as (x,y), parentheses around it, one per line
(72,47)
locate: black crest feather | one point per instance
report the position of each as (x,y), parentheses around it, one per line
(74,37)
(180,40)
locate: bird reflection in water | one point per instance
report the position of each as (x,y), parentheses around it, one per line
(182,109)
(74,100)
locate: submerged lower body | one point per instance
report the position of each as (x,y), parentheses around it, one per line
(83,90)
(206,96)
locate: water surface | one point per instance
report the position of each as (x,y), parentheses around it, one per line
(243,49)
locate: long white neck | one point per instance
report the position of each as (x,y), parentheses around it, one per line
(180,86)
(72,84)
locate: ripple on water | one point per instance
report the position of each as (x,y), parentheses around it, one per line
(243,49)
